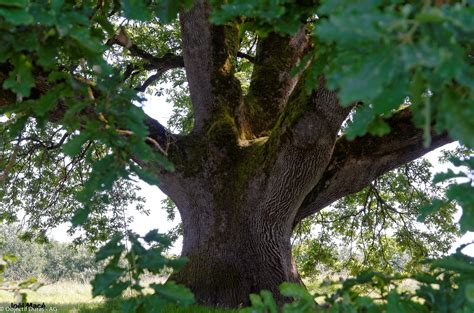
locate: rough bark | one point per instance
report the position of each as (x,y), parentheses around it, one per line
(233,251)
(235,243)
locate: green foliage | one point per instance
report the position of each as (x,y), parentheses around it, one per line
(66,39)
(264,16)
(461,192)
(170,207)
(44,177)
(394,51)
(115,278)
(181,120)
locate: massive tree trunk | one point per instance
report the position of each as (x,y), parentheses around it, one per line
(236,229)
(240,203)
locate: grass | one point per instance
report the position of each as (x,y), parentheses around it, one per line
(74,297)
(63,296)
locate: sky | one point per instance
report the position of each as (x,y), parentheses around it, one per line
(160,109)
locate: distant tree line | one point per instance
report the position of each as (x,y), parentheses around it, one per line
(50,262)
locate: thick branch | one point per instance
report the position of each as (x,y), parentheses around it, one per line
(310,119)
(153,78)
(300,147)
(164,63)
(168,61)
(161,65)
(271,83)
(157,131)
(208,53)
(355,164)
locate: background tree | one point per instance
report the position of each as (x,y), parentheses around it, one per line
(264,148)
(49,262)
(377,228)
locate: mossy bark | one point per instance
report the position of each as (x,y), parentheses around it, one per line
(229,199)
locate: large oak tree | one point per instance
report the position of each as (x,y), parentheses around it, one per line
(262,154)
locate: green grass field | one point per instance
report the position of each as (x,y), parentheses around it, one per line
(77,298)
(63,296)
